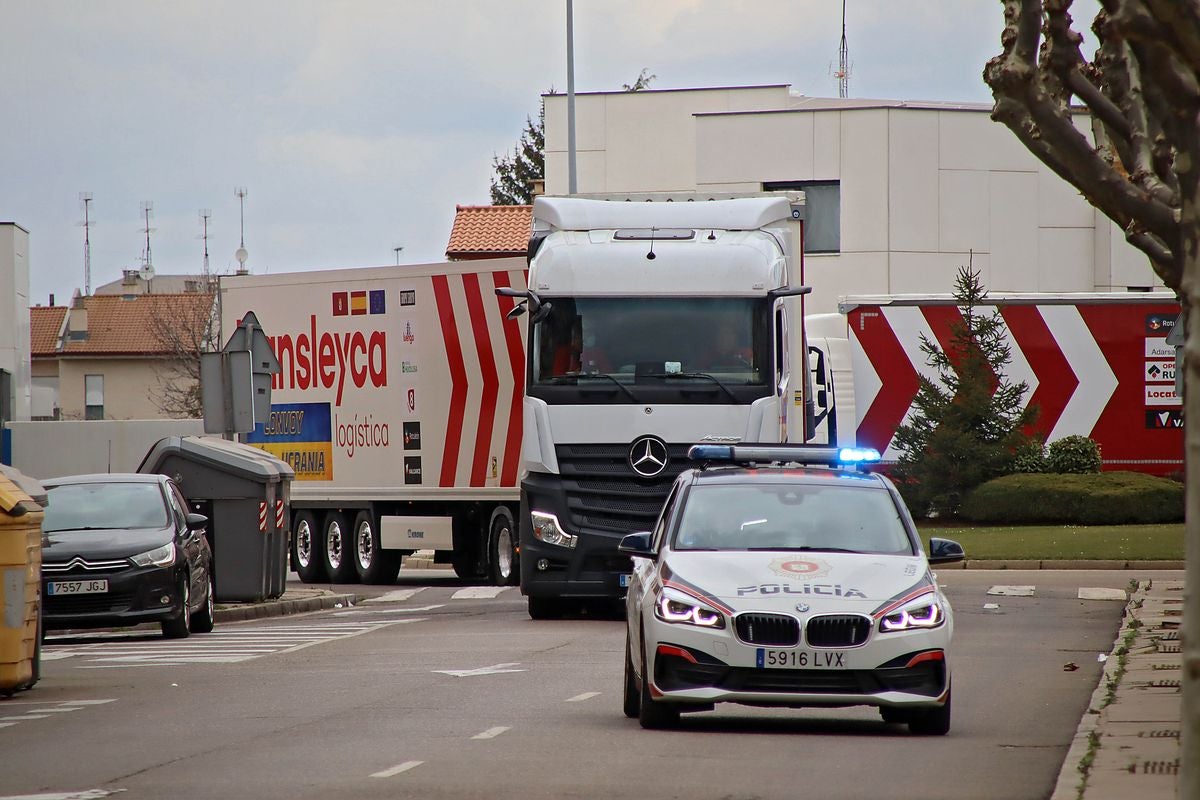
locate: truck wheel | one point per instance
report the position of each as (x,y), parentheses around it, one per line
(372,563)
(503,566)
(307,560)
(545,608)
(338,549)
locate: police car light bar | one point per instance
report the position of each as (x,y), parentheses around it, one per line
(791,453)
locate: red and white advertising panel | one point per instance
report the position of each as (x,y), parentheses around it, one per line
(1100,368)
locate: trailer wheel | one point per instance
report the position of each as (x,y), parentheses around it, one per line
(338,547)
(373,564)
(307,560)
(503,567)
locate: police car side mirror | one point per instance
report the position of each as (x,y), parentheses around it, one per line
(637,544)
(945,551)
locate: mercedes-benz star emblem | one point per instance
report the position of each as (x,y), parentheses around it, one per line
(648,456)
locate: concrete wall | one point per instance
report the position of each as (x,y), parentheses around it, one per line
(14,314)
(925,188)
(46,450)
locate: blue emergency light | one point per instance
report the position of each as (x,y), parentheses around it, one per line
(784,454)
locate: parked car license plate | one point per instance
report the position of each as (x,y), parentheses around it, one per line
(77,587)
(768,658)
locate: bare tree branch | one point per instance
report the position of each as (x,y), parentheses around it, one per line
(184,326)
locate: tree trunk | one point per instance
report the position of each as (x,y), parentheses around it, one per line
(1189,242)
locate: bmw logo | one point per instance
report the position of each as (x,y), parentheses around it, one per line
(648,456)
(802,607)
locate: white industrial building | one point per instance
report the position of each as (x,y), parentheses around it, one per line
(14,322)
(900,194)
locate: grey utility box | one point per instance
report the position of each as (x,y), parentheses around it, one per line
(245,492)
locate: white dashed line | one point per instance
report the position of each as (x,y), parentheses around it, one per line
(581,697)
(398,596)
(1012,591)
(396,770)
(491,733)
(1102,594)
(479,592)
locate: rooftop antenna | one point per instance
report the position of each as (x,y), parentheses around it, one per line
(86,199)
(241,255)
(205,215)
(146,273)
(843,70)
(398,248)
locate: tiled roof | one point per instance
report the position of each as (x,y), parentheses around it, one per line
(132,324)
(490,231)
(44,324)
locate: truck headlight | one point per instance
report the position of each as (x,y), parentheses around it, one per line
(680,609)
(924,612)
(547,529)
(158,557)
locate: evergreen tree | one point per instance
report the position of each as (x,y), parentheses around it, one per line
(512,184)
(968,426)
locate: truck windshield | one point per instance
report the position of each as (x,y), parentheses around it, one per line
(718,342)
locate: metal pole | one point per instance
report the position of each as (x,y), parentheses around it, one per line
(1189,746)
(572,184)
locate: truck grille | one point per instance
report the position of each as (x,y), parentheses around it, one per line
(777,630)
(838,630)
(604,494)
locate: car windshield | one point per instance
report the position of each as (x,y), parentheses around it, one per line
(104,506)
(798,517)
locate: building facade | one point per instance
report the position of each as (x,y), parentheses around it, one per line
(14,333)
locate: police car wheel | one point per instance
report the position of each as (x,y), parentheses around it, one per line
(632,702)
(931,721)
(651,714)
(893,715)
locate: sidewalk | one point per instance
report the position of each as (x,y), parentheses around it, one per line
(294,600)
(1127,744)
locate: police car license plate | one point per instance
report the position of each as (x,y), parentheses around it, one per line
(768,658)
(77,587)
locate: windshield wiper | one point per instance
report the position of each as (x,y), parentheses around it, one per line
(705,375)
(804,549)
(628,392)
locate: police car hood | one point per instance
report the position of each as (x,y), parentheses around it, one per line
(743,581)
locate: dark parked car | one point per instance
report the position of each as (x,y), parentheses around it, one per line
(121,548)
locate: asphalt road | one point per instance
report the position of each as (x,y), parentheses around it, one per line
(440,694)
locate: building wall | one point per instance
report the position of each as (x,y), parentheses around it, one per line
(14,315)
(130,386)
(924,188)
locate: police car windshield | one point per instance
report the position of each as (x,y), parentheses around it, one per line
(773,516)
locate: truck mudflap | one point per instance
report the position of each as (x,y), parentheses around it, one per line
(591,568)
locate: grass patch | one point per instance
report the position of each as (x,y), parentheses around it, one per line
(1064,542)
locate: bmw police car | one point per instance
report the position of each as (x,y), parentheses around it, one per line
(770,582)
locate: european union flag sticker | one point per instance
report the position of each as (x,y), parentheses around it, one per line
(376,301)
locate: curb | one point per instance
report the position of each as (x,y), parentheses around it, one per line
(282,607)
(978,563)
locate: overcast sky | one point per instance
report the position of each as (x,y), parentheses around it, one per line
(357,126)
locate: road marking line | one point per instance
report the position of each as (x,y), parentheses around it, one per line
(581,697)
(386,610)
(479,592)
(491,733)
(492,670)
(991,606)
(395,597)
(29,715)
(1102,594)
(396,770)
(86,794)
(1012,591)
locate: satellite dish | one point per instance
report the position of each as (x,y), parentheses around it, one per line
(146,273)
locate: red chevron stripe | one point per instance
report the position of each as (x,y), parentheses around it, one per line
(491,381)
(1056,380)
(899,380)
(516,362)
(458,379)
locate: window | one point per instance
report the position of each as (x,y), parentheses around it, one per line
(822,213)
(93,396)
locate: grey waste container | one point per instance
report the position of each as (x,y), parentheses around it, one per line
(245,492)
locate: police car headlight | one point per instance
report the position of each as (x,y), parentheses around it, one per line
(158,557)
(547,529)
(922,613)
(680,609)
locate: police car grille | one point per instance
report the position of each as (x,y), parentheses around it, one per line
(841,630)
(604,494)
(776,630)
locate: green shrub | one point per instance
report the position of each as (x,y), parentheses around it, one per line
(1077,455)
(1106,498)
(1030,457)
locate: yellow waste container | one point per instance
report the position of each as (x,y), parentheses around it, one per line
(20,587)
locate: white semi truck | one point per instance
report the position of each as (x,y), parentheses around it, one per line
(423,409)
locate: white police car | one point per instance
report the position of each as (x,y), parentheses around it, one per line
(769,582)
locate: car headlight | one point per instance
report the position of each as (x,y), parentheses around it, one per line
(924,612)
(680,609)
(158,557)
(547,529)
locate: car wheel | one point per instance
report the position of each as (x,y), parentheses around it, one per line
(652,714)
(895,716)
(372,563)
(337,549)
(179,626)
(931,721)
(632,701)
(545,608)
(502,552)
(202,620)
(306,549)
